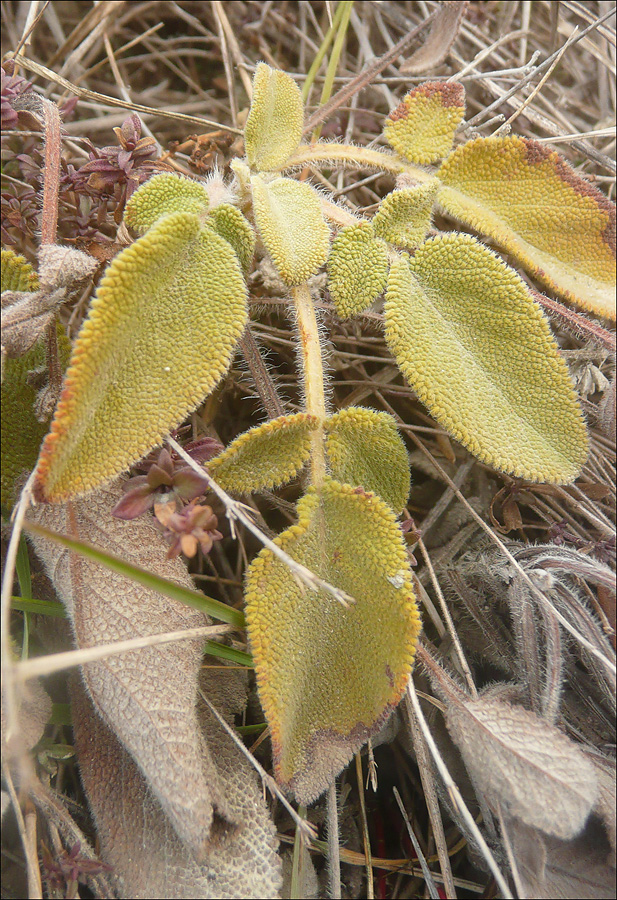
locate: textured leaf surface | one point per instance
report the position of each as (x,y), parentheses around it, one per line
(265,456)
(21,433)
(233,227)
(274,126)
(524,765)
(479,353)
(17,273)
(550,868)
(329,677)
(357,269)
(137,840)
(161,195)
(159,335)
(422,126)
(404,216)
(289,220)
(365,449)
(527,199)
(147,697)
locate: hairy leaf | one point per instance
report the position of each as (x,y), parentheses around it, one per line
(329,677)
(437,43)
(160,334)
(550,868)
(365,449)
(524,766)
(274,126)
(265,456)
(17,273)
(422,126)
(357,269)
(289,220)
(147,697)
(234,228)
(530,202)
(479,353)
(161,195)
(404,216)
(147,857)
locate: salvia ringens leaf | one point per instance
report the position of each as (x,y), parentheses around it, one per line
(231,225)
(357,269)
(160,334)
(365,449)
(274,125)
(422,126)
(466,334)
(290,223)
(329,676)
(265,456)
(528,200)
(404,216)
(161,195)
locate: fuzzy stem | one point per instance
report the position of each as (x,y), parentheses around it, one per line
(313,375)
(358,157)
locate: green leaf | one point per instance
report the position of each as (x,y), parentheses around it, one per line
(274,125)
(231,225)
(365,449)
(530,202)
(329,677)
(265,456)
(357,269)
(161,195)
(404,216)
(422,126)
(289,220)
(480,355)
(170,589)
(17,273)
(160,334)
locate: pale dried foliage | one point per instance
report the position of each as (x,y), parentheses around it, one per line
(516,677)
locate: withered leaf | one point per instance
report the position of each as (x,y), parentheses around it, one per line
(137,839)
(146,697)
(550,868)
(523,766)
(436,46)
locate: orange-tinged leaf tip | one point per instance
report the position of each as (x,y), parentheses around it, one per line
(527,199)
(422,126)
(329,677)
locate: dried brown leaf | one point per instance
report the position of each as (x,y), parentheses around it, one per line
(559,870)
(146,697)
(523,766)
(137,839)
(440,38)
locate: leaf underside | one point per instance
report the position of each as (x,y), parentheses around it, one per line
(531,203)
(265,456)
(329,677)
(479,353)
(159,336)
(365,449)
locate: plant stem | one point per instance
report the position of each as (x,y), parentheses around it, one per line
(313,375)
(358,157)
